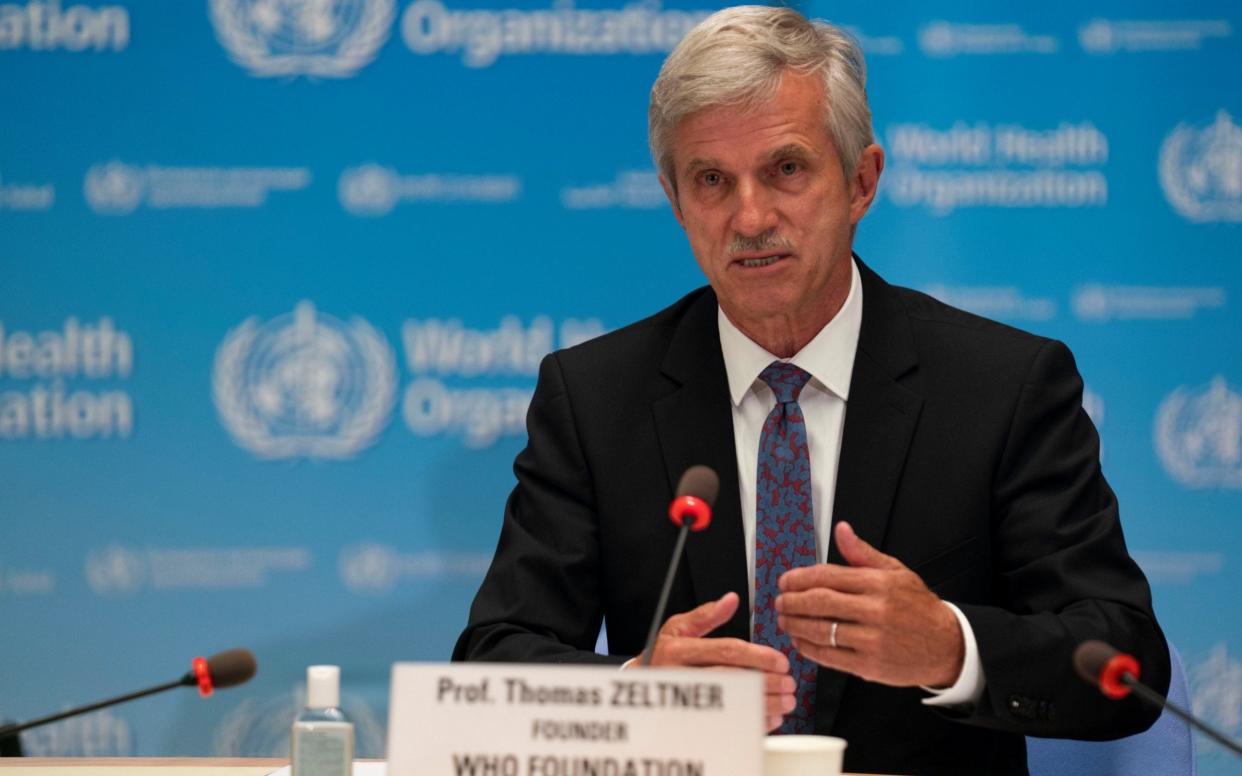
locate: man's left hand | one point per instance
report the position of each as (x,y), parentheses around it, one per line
(889,627)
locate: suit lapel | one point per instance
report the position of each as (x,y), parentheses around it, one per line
(880,419)
(695,426)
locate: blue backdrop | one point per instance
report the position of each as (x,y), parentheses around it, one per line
(276,276)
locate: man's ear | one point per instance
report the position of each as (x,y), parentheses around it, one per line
(672,199)
(866,181)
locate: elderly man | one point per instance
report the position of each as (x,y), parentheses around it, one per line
(912,533)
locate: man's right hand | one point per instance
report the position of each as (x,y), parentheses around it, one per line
(681,642)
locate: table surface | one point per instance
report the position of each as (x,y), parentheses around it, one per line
(119,766)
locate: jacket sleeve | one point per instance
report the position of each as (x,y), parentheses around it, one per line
(1061,572)
(540,599)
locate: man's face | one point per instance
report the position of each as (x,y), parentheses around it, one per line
(768,210)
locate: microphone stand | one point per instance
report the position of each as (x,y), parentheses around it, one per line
(658,619)
(223,669)
(14,728)
(1159,701)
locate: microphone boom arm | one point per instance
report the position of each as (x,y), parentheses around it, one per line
(657,620)
(17,727)
(1156,699)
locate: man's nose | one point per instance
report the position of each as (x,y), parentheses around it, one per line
(755,212)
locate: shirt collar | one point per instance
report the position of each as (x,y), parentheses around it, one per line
(829,357)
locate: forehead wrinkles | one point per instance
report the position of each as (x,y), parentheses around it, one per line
(699,138)
(705,131)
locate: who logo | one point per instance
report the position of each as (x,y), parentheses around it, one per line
(115,571)
(304,385)
(114,188)
(326,38)
(368,190)
(1201,170)
(258,725)
(1198,436)
(369,568)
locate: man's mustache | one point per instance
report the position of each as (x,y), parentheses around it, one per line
(767,241)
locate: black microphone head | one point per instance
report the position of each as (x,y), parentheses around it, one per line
(1090,658)
(701,482)
(231,667)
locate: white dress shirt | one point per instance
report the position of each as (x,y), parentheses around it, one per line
(829,358)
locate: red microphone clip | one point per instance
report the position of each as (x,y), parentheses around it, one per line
(1118,666)
(689,506)
(203,673)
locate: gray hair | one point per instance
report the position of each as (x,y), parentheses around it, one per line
(738,56)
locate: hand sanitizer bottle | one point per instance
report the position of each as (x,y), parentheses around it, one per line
(322,742)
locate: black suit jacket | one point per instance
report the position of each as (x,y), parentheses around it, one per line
(966,454)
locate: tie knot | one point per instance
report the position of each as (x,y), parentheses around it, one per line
(785,380)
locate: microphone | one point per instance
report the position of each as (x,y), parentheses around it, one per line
(691,510)
(223,669)
(1116,674)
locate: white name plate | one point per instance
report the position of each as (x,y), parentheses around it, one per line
(495,719)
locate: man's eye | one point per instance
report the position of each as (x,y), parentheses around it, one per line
(789,168)
(712,178)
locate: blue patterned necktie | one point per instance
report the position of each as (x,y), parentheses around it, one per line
(784,526)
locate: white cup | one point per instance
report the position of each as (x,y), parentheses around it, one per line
(803,755)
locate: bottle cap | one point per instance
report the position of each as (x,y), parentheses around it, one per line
(323,687)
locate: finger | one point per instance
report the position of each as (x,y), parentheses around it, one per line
(703,619)
(846,660)
(858,553)
(774,721)
(814,630)
(831,604)
(780,704)
(729,652)
(818,631)
(774,684)
(847,579)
